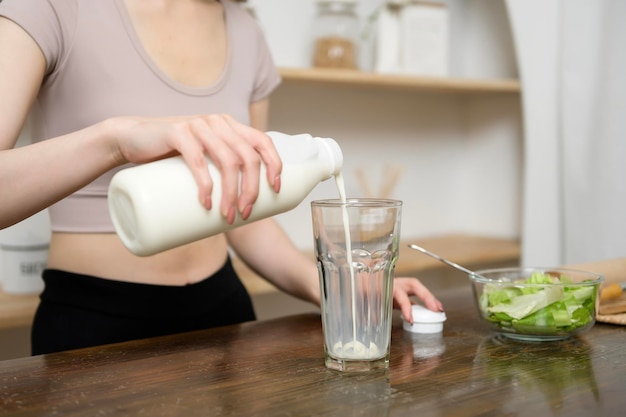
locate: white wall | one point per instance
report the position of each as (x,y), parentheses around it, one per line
(538,50)
(572,63)
(460,155)
(593,130)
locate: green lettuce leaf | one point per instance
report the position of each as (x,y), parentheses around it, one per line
(526,304)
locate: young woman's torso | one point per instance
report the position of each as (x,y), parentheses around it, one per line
(187,40)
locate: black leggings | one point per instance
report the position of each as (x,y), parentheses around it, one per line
(80,311)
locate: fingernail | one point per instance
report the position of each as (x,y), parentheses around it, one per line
(230,218)
(208,203)
(277,183)
(246,212)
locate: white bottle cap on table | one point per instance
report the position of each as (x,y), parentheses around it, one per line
(425,321)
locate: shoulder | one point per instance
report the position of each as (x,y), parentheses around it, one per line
(42,11)
(241,20)
(48,22)
(252,54)
(233,10)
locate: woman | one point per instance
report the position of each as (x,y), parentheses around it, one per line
(131,81)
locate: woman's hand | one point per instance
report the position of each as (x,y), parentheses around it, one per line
(235,149)
(403,288)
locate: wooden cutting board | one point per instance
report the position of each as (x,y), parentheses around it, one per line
(613,311)
(614,306)
(612,318)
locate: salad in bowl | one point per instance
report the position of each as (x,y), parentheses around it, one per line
(537,304)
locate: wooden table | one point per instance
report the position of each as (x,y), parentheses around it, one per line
(276,368)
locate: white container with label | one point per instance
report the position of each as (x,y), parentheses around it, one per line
(22,265)
(24,254)
(424,47)
(413,38)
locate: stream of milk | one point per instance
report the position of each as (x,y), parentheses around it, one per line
(354,349)
(341,187)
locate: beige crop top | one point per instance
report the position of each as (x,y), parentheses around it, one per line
(97,68)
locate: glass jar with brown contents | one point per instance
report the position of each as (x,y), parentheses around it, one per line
(335,34)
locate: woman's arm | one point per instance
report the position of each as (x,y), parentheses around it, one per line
(35,176)
(22,66)
(268,251)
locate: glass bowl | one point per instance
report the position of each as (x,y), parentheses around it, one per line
(537,304)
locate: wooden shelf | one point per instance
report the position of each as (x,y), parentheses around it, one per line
(353,78)
(470,251)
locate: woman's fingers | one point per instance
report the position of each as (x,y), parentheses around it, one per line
(405,287)
(216,141)
(194,154)
(401,301)
(264,147)
(237,151)
(241,174)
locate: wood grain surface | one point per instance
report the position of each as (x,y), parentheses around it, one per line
(613,306)
(276,368)
(17,310)
(354,79)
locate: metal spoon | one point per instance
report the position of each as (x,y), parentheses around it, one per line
(445,261)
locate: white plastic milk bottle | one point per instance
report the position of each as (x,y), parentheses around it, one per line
(155,207)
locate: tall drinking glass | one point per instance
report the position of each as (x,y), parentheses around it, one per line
(356,247)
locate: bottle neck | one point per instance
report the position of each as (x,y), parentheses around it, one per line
(304,148)
(333,154)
